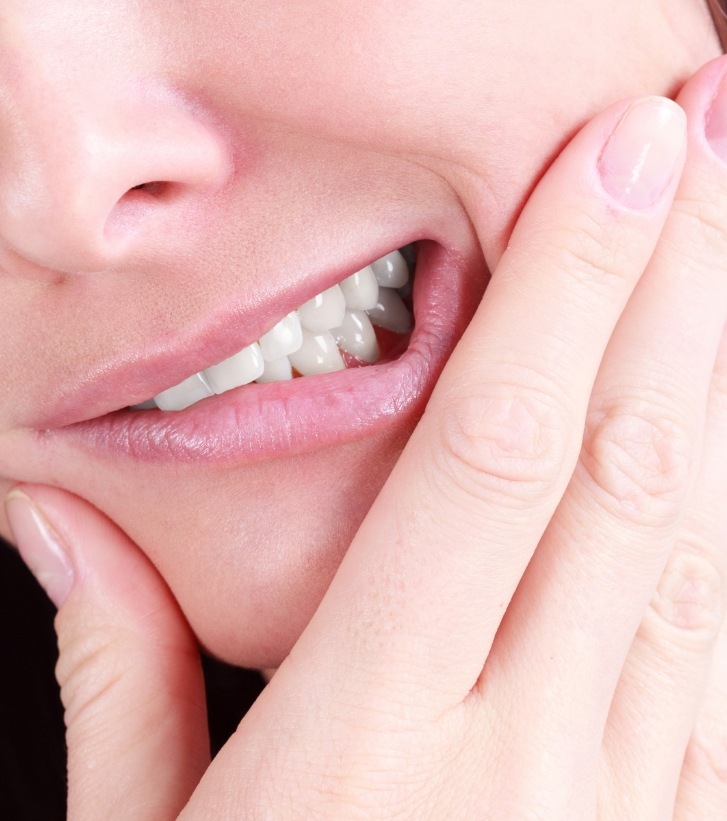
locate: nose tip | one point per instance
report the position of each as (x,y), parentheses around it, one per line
(81,191)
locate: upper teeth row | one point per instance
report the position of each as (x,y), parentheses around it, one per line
(311,338)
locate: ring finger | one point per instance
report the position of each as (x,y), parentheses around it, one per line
(663,682)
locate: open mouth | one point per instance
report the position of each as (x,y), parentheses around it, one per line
(251,406)
(347,325)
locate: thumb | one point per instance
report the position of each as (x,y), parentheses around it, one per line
(129,670)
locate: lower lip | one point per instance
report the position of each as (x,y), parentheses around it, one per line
(286,418)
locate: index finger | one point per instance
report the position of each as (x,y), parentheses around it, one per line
(422,590)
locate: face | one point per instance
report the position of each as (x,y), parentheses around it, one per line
(177,178)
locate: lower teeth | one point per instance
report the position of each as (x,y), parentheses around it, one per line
(311,340)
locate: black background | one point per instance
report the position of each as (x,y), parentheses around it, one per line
(32,746)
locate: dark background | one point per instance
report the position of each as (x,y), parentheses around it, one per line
(32,746)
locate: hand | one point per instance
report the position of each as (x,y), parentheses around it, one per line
(526,622)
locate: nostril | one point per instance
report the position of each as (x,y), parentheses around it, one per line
(154,189)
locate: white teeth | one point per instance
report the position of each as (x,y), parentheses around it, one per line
(277,370)
(391,271)
(391,313)
(285,338)
(361,290)
(356,336)
(324,311)
(318,354)
(241,369)
(184,394)
(310,339)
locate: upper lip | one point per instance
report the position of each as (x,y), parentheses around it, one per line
(134,376)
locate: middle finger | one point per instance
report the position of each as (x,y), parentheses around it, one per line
(596,568)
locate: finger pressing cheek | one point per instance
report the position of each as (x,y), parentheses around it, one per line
(460,517)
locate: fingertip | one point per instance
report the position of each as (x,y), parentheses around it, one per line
(69,544)
(704,98)
(644,152)
(39,545)
(620,173)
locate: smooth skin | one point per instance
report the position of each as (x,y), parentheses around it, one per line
(529,621)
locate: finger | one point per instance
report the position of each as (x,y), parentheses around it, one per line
(702,791)
(129,670)
(575,615)
(663,682)
(422,590)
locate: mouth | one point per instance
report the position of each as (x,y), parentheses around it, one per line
(347,325)
(361,356)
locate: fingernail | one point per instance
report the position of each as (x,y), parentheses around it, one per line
(39,546)
(640,157)
(715,122)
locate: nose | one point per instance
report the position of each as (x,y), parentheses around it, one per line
(88,175)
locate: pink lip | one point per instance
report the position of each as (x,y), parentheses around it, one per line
(268,420)
(135,376)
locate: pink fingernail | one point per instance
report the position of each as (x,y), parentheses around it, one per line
(640,157)
(39,547)
(715,122)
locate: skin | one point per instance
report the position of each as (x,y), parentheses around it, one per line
(529,621)
(368,131)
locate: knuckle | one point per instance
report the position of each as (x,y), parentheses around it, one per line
(640,461)
(587,251)
(90,665)
(589,259)
(690,595)
(507,443)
